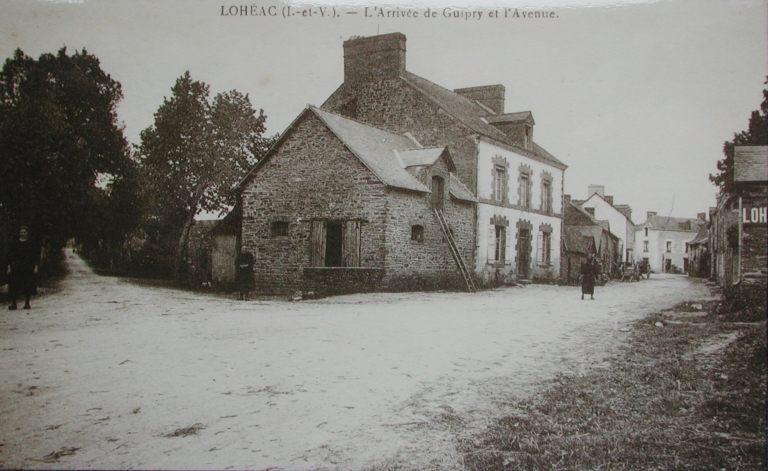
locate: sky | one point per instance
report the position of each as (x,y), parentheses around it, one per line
(637,96)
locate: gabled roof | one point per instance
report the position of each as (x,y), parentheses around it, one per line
(418,157)
(664,223)
(750,164)
(511,117)
(476,117)
(374,147)
(384,153)
(623,209)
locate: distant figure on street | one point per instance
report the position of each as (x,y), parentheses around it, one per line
(23,259)
(244,274)
(589,272)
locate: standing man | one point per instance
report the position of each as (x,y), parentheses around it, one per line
(244,274)
(23,259)
(589,272)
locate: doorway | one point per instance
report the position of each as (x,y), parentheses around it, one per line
(524,253)
(333,242)
(438,188)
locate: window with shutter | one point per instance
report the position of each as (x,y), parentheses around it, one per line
(351,244)
(317,244)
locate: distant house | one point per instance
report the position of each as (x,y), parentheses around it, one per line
(340,206)
(663,242)
(698,254)
(583,235)
(619,216)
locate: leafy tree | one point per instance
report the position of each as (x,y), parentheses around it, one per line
(755,135)
(58,133)
(195,152)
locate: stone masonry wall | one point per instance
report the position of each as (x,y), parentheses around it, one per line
(312,175)
(427,264)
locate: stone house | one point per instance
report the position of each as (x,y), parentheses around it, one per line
(583,235)
(663,242)
(516,232)
(337,206)
(738,240)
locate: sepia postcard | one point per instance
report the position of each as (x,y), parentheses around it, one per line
(360,235)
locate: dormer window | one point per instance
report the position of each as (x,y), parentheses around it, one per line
(528,137)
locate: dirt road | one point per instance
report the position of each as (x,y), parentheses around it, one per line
(109,374)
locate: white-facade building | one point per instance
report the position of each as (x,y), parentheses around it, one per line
(519,214)
(663,242)
(601,207)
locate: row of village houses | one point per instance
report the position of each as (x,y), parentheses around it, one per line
(395,182)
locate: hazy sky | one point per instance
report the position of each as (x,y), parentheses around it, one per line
(637,97)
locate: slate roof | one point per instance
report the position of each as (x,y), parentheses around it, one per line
(469,113)
(510,117)
(581,239)
(664,223)
(384,153)
(701,237)
(750,164)
(374,147)
(418,157)
(460,191)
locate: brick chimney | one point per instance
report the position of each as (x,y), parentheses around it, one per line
(599,189)
(609,199)
(491,96)
(374,58)
(702,216)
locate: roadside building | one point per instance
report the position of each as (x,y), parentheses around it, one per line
(583,235)
(663,242)
(518,184)
(738,236)
(362,175)
(698,254)
(340,206)
(602,207)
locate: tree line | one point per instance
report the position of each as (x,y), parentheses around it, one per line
(68,172)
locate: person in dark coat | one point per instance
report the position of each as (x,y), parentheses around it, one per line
(589,272)
(23,259)
(244,274)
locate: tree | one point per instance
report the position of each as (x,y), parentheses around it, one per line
(193,155)
(58,133)
(755,135)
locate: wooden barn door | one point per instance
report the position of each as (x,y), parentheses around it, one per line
(350,246)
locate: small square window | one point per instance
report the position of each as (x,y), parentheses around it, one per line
(417,233)
(279,229)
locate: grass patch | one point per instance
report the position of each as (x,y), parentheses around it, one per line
(688,395)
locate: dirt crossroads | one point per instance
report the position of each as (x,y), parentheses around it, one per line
(109,374)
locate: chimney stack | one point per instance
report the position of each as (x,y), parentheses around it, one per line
(374,58)
(566,200)
(609,199)
(591,211)
(650,214)
(599,189)
(491,96)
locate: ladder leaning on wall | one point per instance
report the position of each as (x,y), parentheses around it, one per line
(460,263)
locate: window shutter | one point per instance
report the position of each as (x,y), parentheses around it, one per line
(540,248)
(350,244)
(492,243)
(317,244)
(508,235)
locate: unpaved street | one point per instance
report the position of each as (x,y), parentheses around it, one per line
(102,373)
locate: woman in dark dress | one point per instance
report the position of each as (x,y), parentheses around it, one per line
(588,274)
(244,274)
(23,259)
